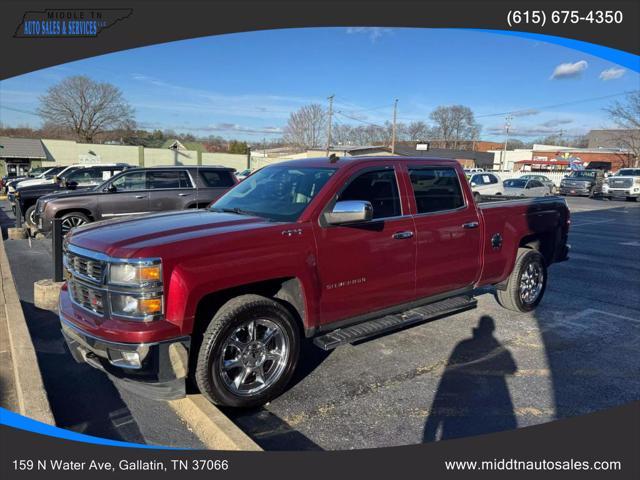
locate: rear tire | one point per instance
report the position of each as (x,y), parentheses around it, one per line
(230,347)
(526,284)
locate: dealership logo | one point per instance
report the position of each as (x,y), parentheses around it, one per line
(68,23)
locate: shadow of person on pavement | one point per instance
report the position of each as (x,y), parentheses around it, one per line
(472,396)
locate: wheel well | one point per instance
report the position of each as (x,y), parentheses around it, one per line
(70,210)
(286,291)
(544,243)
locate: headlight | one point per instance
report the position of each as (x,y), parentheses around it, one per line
(132,306)
(136,274)
(636,181)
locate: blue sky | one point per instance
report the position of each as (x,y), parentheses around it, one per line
(245,85)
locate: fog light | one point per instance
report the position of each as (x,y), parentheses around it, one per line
(125,359)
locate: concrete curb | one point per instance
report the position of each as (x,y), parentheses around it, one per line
(32,397)
(211,426)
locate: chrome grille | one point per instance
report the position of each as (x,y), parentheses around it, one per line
(620,182)
(84,267)
(87,297)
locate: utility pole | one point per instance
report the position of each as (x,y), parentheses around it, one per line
(330,123)
(507,126)
(393,129)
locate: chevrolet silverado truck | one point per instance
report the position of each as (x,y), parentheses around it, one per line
(338,250)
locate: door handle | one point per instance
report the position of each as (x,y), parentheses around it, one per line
(183,194)
(402,235)
(140,196)
(471,225)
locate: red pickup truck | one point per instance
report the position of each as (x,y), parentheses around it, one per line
(338,249)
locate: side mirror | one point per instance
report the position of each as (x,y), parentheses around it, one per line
(473,184)
(70,185)
(111,188)
(349,211)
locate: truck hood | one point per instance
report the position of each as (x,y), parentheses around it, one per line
(35,181)
(78,192)
(137,237)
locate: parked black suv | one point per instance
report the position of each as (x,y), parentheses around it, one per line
(583,182)
(135,192)
(72,178)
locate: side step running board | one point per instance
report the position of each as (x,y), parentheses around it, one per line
(389,323)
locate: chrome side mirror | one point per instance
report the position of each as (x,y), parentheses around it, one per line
(349,211)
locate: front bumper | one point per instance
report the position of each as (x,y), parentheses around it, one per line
(574,190)
(163,365)
(42,223)
(621,192)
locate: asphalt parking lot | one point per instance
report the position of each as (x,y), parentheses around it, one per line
(476,372)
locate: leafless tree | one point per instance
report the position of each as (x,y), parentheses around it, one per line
(307,127)
(454,123)
(626,116)
(415,131)
(86,107)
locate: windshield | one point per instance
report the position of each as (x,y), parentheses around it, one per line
(515,183)
(583,174)
(278,193)
(630,172)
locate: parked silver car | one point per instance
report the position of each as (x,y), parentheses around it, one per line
(520,187)
(546,181)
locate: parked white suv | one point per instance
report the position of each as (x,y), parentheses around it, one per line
(624,184)
(485,183)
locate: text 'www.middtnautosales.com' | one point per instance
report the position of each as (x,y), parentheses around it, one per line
(533,465)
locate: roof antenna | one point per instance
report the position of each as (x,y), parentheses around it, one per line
(333,158)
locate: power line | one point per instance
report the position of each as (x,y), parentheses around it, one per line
(4,107)
(556,105)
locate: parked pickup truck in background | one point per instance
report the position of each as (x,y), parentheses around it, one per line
(136,191)
(624,184)
(335,249)
(73,178)
(587,183)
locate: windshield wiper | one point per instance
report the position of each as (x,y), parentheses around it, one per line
(236,210)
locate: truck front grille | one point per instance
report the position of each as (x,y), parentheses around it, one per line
(620,182)
(84,267)
(87,297)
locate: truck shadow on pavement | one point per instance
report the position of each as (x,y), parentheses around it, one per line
(588,319)
(472,396)
(82,399)
(269,430)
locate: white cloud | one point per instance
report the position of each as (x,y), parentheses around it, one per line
(611,73)
(374,33)
(569,70)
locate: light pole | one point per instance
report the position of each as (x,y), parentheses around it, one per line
(507,126)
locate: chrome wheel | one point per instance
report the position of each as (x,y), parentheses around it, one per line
(531,283)
(71,222)
(253,357)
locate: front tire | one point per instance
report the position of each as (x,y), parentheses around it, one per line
(72,220)
(632,199)
(249,352)
(526,284)
(29,216)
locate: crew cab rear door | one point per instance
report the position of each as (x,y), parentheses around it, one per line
(448,230)
(170,189)
(370,265)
